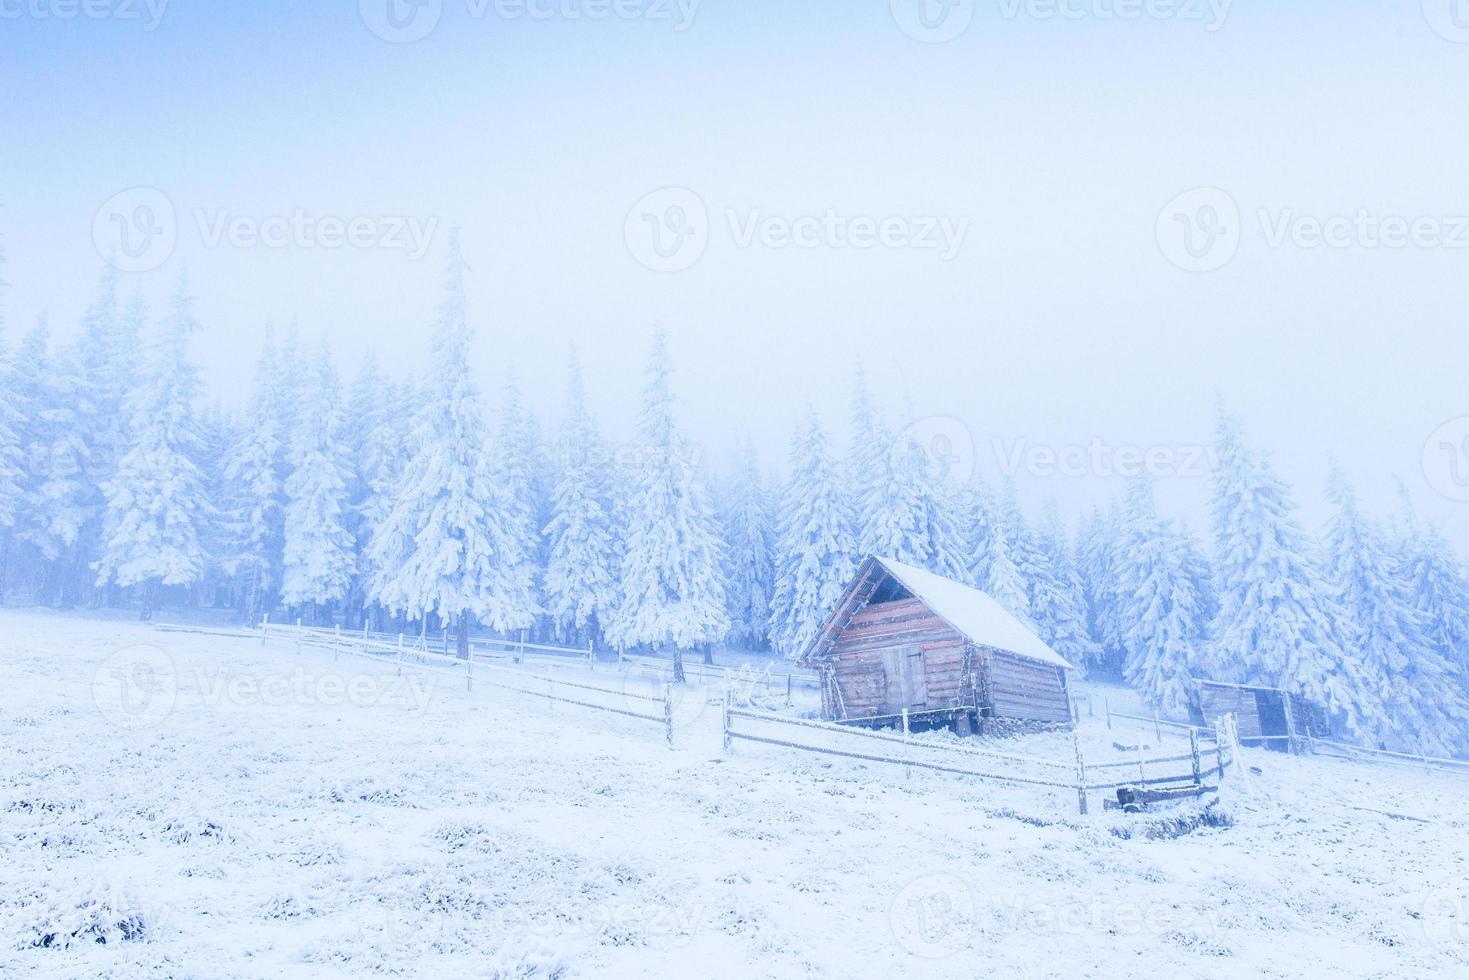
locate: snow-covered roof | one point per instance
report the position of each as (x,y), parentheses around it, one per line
(973,613)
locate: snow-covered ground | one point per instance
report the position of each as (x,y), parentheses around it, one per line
(249,811)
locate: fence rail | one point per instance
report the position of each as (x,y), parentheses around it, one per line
(472,670)
(1076,770)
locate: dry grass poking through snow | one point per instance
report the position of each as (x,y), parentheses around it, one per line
(269,815)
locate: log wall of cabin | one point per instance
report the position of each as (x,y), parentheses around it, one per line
(1240,702)
(856,659)
(1018,687)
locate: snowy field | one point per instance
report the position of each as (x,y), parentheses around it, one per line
(264,813)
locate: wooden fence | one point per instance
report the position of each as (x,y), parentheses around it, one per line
(1205,762)
(479,668)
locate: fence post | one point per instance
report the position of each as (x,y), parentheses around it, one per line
(1219,746)
(728,742)
(1193,747)
(668,714)
(298,635)
(400,654)
(591,656)
(1290,727)
(265,629)
(446,641)
(1080,773)
(907,750)
(337,644)
(1157,730)
(520,649)
(788,689)
(1107,705)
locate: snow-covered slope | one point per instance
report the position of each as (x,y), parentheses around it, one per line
(268,814)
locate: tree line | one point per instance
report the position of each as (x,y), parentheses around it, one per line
(401,504)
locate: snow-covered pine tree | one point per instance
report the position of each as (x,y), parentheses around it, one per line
(814,553)
(254,466)
(515,466)
(54,501)
(1162,613)
(156,502)
(1096,558)
(373,434)
(1438,587)
(13,420)
(1416,702)
(1056,602)
(220,529)
(749,562)
(867,470)
(672,593)
(910,516)
(439,548)
(1276,620)
(993,569)
(318,557)
(581,567)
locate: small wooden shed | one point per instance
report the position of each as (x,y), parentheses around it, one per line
(1266,716)
(902,638)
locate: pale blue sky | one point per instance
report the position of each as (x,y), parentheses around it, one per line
(1059,321)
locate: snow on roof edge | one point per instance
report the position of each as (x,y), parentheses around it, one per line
(974,613)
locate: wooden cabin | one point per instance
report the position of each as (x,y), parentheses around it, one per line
(902,638)
(1266,716)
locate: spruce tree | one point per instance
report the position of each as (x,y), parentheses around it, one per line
(1438,587)
(1416,704)
(581,569)
(1162,612)
(867,473)
(1057,603)
(439,548)
(814,554)
(672,592)
(254,466)
(156,502)
(318,557)
(749,564)
(517,504)
(1276,623)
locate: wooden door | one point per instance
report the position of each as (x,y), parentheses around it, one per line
(907,684)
